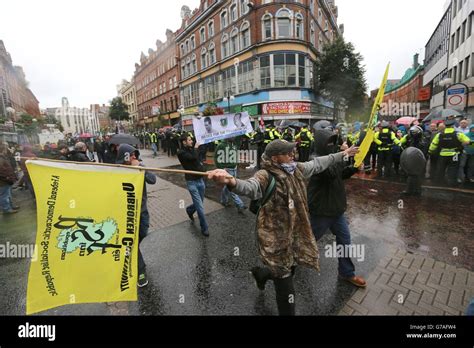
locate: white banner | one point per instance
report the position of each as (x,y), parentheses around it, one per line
(208,129)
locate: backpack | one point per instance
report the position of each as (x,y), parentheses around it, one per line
(257,205)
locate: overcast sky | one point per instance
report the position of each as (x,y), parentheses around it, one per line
(82,49)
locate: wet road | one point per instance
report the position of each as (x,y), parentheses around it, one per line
(192,275)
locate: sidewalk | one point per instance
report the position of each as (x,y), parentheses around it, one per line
(410,284)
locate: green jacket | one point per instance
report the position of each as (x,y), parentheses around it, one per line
(227,155)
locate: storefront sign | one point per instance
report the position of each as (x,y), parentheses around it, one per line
(286,108)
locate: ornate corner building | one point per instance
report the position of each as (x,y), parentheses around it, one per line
(255,56)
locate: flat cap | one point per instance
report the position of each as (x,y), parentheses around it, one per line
(279,147)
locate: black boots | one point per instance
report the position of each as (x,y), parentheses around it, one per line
(261,276)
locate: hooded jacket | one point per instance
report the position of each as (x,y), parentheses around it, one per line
(150,178)
(326,191)
(285,237)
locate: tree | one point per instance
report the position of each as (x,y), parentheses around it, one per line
(119,110)
(339,76)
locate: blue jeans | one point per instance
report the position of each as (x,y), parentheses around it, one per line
(470,309)
(197,188)
(339,227)
(142,233)
(155,149)
(226,193)
(6,198)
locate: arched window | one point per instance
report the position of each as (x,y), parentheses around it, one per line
(212,53)
(233,13)
(187,46)
(312,33)
(193,64)
(182,49)
(202,35)
(224,21)
(267,27)
(244,9)
(225,45)
(284,18)
(210,29)
(203,58)
(193,42)
(234,41)
(245,35)
(299,31)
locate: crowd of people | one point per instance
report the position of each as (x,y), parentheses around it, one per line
(298,191)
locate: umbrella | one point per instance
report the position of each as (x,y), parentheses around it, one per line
(441,115)
(297,124)
(85,136)
(119,139)
(406,121)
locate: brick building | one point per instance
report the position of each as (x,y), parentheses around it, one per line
(156,84)
(14,91)
(259,53)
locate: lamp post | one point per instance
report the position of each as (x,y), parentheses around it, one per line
(228,98)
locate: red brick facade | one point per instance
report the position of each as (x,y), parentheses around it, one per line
(156,81)
(14,91)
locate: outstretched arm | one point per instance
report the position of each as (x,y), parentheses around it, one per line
(320,164)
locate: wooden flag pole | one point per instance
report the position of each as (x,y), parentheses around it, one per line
(174,171)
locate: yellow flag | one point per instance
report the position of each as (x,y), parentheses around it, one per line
(87,239)
(369,137)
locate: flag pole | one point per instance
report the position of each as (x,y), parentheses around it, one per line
(160,170)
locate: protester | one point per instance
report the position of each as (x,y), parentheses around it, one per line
(79,154)
(304,139)
(128,155)
(226,157)
(328,203)
(284,231)
(7,179)
(189,159)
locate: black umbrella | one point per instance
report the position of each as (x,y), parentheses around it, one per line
(442,115)
(119,139)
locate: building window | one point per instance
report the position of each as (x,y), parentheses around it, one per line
(283,23)
(228,80)
(212,53)
(312,34)
(183,52)
(246,77)
(202,35)
(193,64)
(299,27)
(203,58)
(245,34)
(224,22)
(244,9)
(188,49)
(171,84)
(265,76)
(225,46)
(210,29)
(267,27)
(193,42)
(301,71)
(234,41)
(211,88)
(175,80)
(233,13)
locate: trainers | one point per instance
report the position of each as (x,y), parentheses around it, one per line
(356,281)
(191,217)
(142,280)
(11,211)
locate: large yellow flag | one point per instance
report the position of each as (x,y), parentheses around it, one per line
(369,137)
(87,239)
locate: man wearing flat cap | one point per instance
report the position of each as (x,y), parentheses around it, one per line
(285,237)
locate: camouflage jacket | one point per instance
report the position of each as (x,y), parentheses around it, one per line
(285,237)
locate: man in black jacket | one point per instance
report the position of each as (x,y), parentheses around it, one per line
(79,154)
(189,159)
(128,155)
(328,203)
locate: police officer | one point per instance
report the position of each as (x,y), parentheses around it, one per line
(271,134)
(450,144)
(304,138)
(154,143)
(385,139)
(288,135)
(415,138)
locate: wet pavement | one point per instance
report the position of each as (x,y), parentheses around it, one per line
(193,275)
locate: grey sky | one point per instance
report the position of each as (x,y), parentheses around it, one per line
(82,49)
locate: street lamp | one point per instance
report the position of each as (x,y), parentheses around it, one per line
(228,98)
